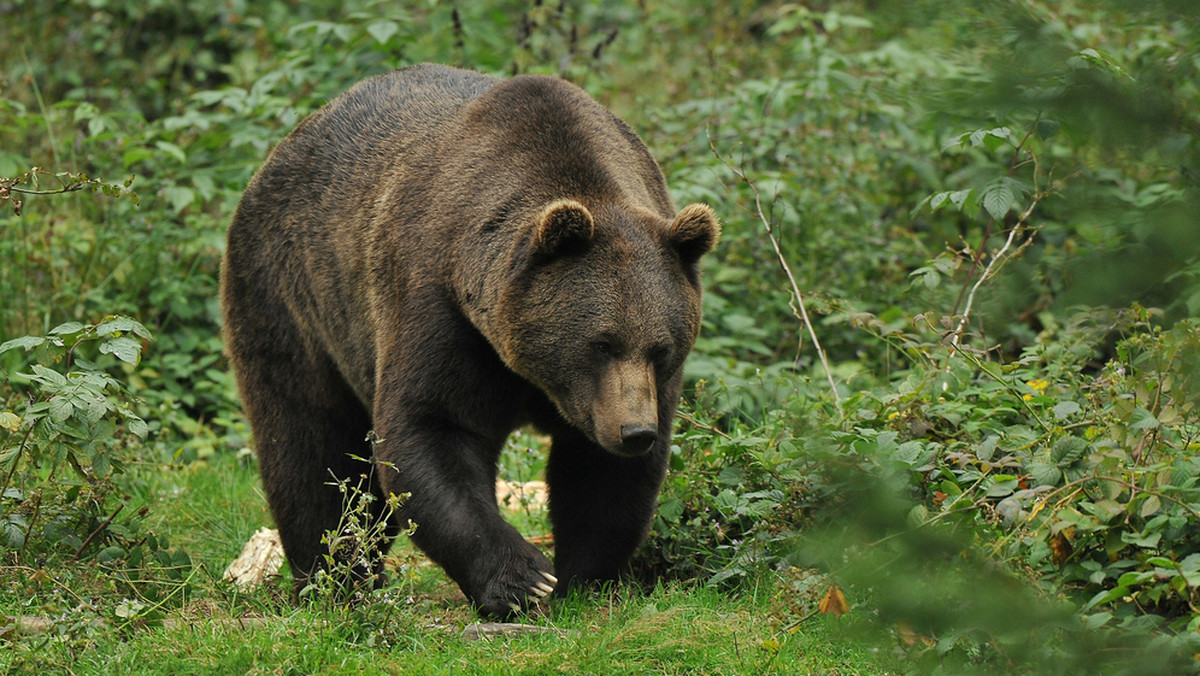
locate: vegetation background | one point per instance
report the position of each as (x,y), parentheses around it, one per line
(943,416)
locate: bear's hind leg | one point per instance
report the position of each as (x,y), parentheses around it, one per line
(307,425)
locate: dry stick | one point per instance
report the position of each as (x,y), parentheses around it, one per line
(1012,165)
(987,273)
(699,425)
(797,306)
(96,532)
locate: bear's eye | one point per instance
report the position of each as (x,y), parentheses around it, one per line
(604,347)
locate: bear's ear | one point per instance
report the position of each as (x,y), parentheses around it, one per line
(694,232)
(562,224)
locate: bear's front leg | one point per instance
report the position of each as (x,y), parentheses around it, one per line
(600,506)
(450,473)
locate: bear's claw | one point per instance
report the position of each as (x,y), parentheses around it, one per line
(553,580)
(542,590)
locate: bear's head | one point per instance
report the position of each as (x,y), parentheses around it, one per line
(601,312)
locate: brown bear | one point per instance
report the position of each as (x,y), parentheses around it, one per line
(440,257)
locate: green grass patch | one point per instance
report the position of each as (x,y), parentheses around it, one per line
(82,619)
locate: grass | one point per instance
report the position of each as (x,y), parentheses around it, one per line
(666,631)
(204,626)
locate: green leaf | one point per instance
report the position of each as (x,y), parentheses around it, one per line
(138,427)
(731,476)
(136,154)
(1067,450)
(671,510)
(110,554)
(26,342)
(918,515)
(950,488)
(1065,409)
(727,502)
(47,376)
(119,324)
(911,453)
(61,408)
(382,31)
(1143,419)
(725,575)
(959,197)
(1135,577)
(1045,474)
(179,197)
(885,442)
(67,329)
(1145,540)
(1107,597)
(124,348)
(998,198)
(85,111)
(172,150)
(181,559)
(955,142)
(1150,506)
(101,467)
(997,138)
(95,410)
(11,163)
(1001,485)
(1190,568)
(987,449)
(1093,57)
(15,527)
(1047,129)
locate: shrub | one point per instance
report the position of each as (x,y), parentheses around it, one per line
(69,435)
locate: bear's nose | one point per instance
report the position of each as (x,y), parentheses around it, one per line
(637,439)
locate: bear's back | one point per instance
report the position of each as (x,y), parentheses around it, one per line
(363,131)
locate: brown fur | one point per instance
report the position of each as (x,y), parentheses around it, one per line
(441,257)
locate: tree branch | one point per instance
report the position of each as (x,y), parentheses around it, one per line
(797,304)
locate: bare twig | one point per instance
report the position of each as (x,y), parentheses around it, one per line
(997,257)
(956,337)
(699,425)
(797,304)
(88,540)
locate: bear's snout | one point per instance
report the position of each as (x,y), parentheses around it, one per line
(637,439)
(625,417)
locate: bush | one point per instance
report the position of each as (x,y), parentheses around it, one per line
(1057,439)
(66,445)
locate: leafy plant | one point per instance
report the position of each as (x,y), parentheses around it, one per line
(69,437)
(353,561)
(30,183)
